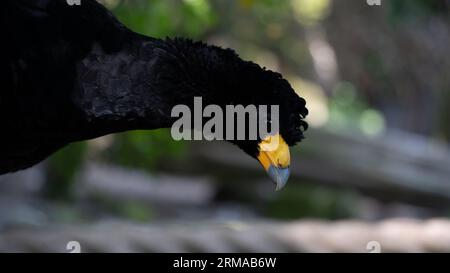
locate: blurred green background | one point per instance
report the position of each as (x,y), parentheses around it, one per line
(376,81)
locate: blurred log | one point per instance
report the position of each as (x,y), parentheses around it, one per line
(395,167)
(395,235)
(131,184)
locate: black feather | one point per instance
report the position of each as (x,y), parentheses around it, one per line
(73,73)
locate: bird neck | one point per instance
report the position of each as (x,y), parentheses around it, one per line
(137,86)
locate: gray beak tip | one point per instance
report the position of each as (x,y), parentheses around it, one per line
(279,175)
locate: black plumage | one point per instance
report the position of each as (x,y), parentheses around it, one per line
(71,73)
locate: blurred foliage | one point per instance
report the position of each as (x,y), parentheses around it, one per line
(62,168)
(161,18)
(304,200)
(143,149)
(131,210)
(310,12)
(413,9)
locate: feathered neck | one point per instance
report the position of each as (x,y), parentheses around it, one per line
(137,86)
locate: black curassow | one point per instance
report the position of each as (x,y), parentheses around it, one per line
(74,72)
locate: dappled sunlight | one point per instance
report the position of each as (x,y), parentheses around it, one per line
(349,112)
(372,122)
(323,55)
(317,101)
(310,12)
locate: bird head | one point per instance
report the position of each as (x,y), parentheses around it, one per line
(272,149)
(220,77)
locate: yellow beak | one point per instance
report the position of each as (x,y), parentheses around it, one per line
(275,158)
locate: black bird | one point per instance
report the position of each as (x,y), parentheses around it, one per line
(74,72)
